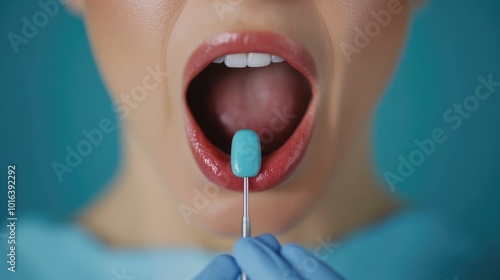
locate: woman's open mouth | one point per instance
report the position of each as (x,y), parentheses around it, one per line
(250,80)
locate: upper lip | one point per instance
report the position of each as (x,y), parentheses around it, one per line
(277,166)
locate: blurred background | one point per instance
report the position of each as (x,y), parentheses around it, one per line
(51,91)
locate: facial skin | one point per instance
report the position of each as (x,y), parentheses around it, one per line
(128,36)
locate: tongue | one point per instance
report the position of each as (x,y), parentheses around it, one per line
(270,100)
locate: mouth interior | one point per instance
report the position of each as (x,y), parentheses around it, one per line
(270,100)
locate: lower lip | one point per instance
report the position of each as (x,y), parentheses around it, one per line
(277,166)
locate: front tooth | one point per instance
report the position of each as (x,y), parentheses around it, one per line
(258,59)
(277,59)
(238,60)
(219,60)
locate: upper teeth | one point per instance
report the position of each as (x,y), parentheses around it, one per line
(242,60)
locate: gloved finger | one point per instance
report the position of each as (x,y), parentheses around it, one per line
(306,265)
(258,260)
(223,267)
(270,241)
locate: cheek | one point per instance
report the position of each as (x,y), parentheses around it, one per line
(128,36)
(367,37)
(129,41)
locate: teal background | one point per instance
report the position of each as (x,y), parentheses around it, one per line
(51,90)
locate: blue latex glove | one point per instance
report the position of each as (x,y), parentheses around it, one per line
(263,258)
(223,267)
